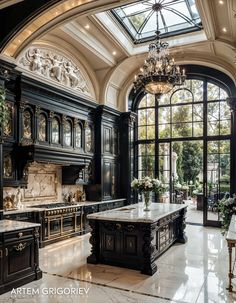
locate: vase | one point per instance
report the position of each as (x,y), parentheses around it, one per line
(147,200)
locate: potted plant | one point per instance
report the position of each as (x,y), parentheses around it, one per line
(226,208)
(145,186)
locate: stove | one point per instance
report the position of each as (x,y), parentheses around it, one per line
(59,221)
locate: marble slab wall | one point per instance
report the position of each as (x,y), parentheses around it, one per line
(44,185)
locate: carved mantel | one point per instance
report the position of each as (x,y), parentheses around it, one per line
(54,66)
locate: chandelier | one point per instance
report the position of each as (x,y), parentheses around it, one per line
(159,74)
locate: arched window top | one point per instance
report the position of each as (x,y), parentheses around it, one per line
(183,95)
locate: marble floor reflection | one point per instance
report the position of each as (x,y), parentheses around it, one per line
(195,273)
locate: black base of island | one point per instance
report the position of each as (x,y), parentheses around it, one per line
(135,245)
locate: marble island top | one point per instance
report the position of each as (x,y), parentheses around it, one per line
(136,213)
(231,234)
(11,225)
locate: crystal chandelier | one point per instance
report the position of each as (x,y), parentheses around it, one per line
(159,74)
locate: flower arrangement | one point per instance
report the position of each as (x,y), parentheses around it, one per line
(226,207)
(147,184)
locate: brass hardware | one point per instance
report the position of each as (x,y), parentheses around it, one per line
(6,251)
(118,226)
(20,246)
(20,235)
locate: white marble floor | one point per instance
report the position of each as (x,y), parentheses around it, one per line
(195,272)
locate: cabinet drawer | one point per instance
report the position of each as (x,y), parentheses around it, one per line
(18,235)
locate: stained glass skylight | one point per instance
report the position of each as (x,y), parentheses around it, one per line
(140,21)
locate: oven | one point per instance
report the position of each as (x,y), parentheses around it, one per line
(60,223)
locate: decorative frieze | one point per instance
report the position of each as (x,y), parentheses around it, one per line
(50,65)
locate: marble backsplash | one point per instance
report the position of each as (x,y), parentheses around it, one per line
(44,186)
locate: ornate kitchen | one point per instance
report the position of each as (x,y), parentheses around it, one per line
(114,117)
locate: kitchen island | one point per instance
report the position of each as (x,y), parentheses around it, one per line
(133,238)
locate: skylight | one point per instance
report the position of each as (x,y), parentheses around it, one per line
(176,17)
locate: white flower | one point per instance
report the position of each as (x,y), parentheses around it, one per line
(134,182)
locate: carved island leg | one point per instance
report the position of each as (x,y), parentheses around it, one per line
(181,236)
(38,271)
(94,241)
(149,267)
(230,274)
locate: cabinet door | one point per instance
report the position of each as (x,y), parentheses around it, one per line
(18,259)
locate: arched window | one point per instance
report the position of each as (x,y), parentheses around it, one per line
(184,137)
(42,130)
(68,133)
(55,131)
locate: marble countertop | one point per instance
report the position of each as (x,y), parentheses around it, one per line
(135,213)
(231,234)
(11,225)
(30,208)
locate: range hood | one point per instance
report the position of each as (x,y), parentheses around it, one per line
(46,154)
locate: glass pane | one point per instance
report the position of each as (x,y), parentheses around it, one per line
(164,115)
(198,112)
(182,113)
(213,111)
(224,147)
(151,132)
(55,131)
(197,129)
(67,133)
(150,100)
(42,127)
(150,149)
(224,111)
(78,136)
(143,102)
(142,149)
(142,130)
(213,92)
(213,128)
(27,125)
(150,116)
(164,149)
(223,94)
(142,117)
(164,131)
(197,90)
(225,127)
(181,130)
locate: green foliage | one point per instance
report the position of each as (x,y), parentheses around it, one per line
(226,208)
(191,161)
(137,20)
(3,108)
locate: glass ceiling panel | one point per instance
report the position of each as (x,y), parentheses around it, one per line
(140,21)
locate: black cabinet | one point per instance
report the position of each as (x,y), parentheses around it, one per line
(19,258)
(24,216)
